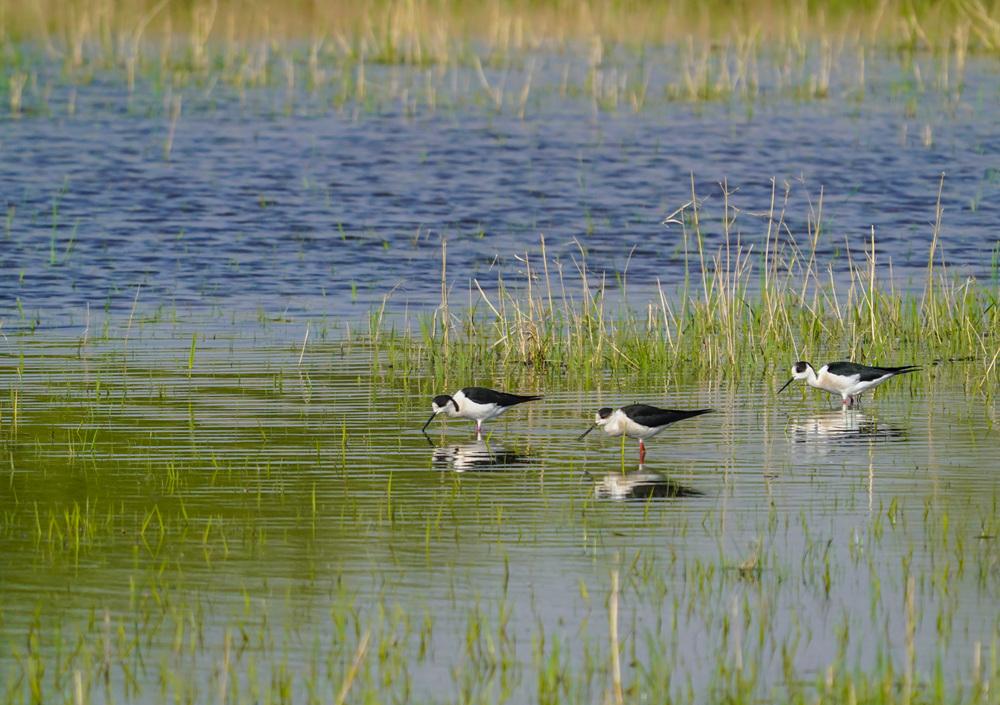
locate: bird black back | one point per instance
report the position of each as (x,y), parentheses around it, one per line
(482,395)
(652,416)
(867,373)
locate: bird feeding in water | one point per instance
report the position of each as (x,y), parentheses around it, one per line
(477,403)
(848,379)
(640,421)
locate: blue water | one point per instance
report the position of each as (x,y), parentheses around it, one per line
(287,202)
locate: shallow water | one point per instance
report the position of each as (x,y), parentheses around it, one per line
(266,514)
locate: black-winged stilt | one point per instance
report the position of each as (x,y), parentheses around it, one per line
(640,421)
(476,403)
(848,379)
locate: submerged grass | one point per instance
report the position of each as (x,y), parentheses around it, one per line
(229,519)
(750,306)
(197,570)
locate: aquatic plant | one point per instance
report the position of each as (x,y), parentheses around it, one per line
(504,57)
(250,514)
(422,30)
(749,306)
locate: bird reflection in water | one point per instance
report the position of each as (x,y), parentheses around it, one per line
(641,484)
(476,455)
(845,427)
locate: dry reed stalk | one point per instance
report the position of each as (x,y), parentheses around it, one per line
(909,601)
(616,669)
(444,294)
(15,85)
(224,671)
(928,302)
(175,115)
(352,672)
(78,696)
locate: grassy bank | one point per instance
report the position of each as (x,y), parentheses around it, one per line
(416,29)
(504,55)
(751,305)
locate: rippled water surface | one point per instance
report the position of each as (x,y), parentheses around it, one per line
(286,202)
(163,518)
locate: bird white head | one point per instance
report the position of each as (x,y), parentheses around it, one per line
(603,416)
(800,370)
(442,403)
(601,419)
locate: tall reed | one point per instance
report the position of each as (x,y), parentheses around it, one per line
(748,304)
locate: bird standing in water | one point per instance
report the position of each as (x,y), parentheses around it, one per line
(640,421)
(848,379)
(477,403)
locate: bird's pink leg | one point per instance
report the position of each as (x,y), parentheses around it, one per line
(479,429)
(642,452)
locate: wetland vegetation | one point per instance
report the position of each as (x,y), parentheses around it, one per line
(738,312)
(420,56)
(242,250)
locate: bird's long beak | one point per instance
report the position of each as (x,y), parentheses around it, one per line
(785,385)
(580,437)
(424,428)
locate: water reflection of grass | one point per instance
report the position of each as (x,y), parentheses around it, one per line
(746,310)
(210,527)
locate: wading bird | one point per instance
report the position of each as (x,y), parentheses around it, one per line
(848,379)
(476,403)
(639,421)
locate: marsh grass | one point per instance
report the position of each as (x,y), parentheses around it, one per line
(749,307)
(421,30)
(246,524)
(505,57)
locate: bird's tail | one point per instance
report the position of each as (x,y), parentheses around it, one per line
(691,413)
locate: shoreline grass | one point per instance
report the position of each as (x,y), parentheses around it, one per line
(416,30)
(755,297)
(504,56)
(752,305)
